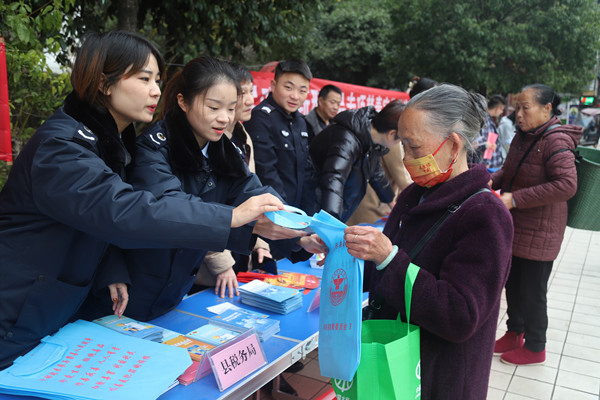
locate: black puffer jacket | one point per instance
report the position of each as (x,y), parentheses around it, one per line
(345,159)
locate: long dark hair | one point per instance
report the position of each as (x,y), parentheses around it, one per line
(387,119)
(195,79)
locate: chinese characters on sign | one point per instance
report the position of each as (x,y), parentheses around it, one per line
(353,96)
(237,359)
(96,365)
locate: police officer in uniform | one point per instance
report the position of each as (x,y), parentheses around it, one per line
(65,199)
(280,136)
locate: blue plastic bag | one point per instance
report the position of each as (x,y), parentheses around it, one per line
(84,360)
(340,317)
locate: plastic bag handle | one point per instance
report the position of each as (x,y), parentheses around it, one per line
(48,352)
(409,281)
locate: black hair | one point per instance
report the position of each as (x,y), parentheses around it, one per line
(512,116)
(387,119)
(293,66)
(238,134)
(242,74)
(419,85)
(195,79)
(544,95)
(325,90)
(495,101)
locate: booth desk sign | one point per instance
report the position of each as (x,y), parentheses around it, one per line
(237,359)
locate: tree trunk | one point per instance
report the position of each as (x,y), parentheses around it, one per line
(127,15)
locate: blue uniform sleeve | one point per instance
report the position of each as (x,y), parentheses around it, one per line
(151,171)
(260,128)
(71,184)
(112,269)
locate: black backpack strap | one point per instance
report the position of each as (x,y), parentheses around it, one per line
(527,153)
(578,157)
(452,208)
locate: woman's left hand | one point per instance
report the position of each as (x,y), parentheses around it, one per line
(367,243)
(119,296)
(267,229)
(227,281)
(312,244)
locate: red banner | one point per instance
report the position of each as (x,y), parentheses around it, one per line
(5,142)
(353,96)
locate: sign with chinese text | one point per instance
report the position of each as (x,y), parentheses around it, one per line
(353,96)
(237,359)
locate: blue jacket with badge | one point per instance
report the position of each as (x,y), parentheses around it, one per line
(63,203)
(169,163)
(281,152)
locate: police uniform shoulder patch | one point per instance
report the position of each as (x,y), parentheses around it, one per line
(156,138)
(85,137)
(266,109)
(85,133)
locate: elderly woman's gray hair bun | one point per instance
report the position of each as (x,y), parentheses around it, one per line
(451,108)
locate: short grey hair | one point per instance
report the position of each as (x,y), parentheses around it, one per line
(451,108)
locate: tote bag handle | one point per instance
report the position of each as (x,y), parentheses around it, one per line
(409,281)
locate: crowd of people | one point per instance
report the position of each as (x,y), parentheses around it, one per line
(95,219)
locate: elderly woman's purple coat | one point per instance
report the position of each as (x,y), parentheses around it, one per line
(456,296)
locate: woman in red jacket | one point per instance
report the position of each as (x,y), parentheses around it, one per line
(537,179)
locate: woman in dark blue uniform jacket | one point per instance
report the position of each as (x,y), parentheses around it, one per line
(65,199)
(187,156)
(346,157)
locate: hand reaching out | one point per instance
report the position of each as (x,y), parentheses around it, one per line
(312,244)
(266,228)
(227,281)
(253,208)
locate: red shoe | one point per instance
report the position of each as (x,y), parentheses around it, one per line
(523,356)
(508,342)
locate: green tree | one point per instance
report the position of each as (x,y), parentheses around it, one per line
(349,42)
(496,46)
(185,29)
(32,31)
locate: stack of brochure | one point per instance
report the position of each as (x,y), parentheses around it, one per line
(195,347)
(213,334)
(131,327)
(240,320)
(279,299)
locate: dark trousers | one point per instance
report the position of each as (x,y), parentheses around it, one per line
(526,290)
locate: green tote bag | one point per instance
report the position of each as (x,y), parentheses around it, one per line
(390,360)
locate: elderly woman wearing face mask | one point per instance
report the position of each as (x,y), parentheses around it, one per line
(537,179)
(464,264)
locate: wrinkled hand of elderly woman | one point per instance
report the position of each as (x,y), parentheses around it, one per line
(367,243)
